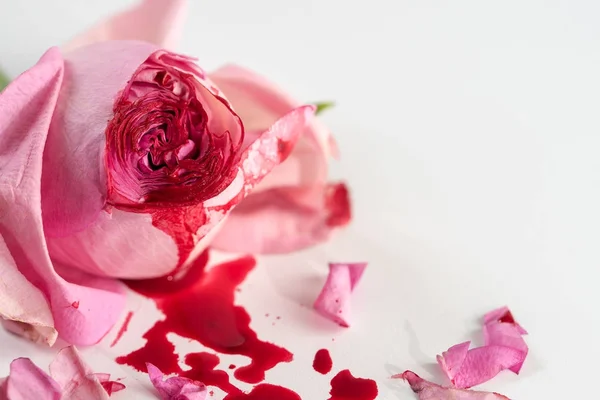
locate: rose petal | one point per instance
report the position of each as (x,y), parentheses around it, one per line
(293,207)
(282,220)
(258,160)
(23,308)
(452,360)
(335,298)
(156,21)
(176,388)
(76,379)
(26,108)
(430,391)
(509,336)
(26,381)
(504,348)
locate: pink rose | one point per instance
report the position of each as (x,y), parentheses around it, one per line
(121,159)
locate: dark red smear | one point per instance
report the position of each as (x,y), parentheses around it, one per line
(75,304)
(123,328)
(199,305)
(266,392)
(346,387)
(322,362)
(181,224)
(337,203)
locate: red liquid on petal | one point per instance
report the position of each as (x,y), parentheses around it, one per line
(346,387)
(199,305)
(337,202)
(181,224)
(266,392)
(322,362)
(123,329)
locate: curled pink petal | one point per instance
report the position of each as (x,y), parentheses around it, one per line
(294,207)
(26,381)
(156,21)
(76,379)
(452,360)
(430,391)
(176,388)
(504,348)
(334,302)
(27,106)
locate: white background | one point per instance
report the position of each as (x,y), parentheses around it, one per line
(470,134)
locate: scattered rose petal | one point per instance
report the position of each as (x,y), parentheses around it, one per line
(176,388)
(504,348)
(430,391)
(335,298)
(76,379)
(27,381)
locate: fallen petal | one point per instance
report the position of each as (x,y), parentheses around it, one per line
(26,381)
(504,348)
(76,379)
(430,391)
(176,388)
(335,298)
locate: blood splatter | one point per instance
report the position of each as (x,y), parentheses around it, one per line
(337,203)
(123,329)
(266,391)
(199,305)
(344,386)
(322,362)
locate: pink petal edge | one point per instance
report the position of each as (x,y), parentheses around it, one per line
(27,106)
(75,377)
(430,391)
(504,348)
(293,207)
(27,381)
(155,21)
(176,388)
(70,379)
(334,301)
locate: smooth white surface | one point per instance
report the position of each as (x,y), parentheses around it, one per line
(470,134)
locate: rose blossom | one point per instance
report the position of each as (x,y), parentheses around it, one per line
(121,159)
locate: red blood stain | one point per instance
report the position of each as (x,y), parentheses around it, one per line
(199,305)
(344,386)
(75,304)
(322,362)
(111,387)
(266,392)
(181,224)
(123,328)
(337,202)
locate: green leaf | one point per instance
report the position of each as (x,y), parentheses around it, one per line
(3,81)
(322,106)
